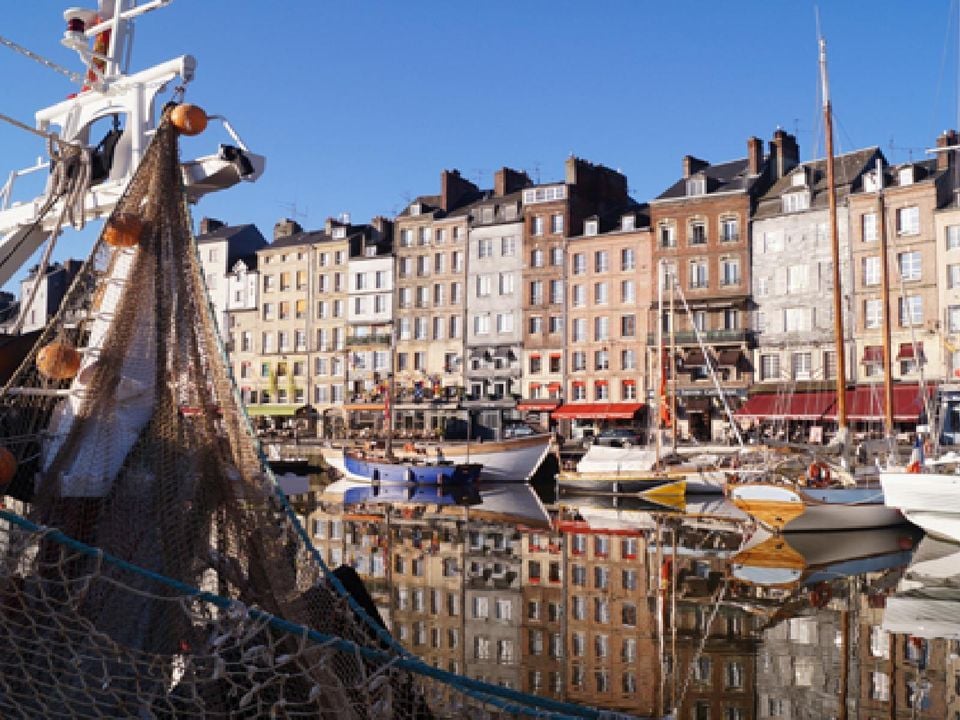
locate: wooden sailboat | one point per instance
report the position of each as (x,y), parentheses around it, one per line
(813,501)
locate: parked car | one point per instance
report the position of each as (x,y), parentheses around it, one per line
(518,430)
(619,437)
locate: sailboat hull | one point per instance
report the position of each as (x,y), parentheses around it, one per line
(930,500)
(788,508)
(503,461)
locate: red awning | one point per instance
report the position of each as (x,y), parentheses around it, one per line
(597,411)
(556,355)
(873,354)
(554,386)
(907,351)
(629,382)
(537,405)
(865,402)
(580,382)
(795,406)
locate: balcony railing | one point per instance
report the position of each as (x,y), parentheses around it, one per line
(369,340)
(710,336)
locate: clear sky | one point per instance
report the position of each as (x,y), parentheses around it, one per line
(359,105)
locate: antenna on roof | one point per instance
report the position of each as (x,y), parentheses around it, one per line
(293,211)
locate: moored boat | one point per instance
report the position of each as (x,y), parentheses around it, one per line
(928,499)
(375,469)
(794,508)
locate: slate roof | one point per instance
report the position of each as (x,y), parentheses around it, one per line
(242,240)
(848,169)
(726,177)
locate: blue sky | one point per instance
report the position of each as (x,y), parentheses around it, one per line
(359,105)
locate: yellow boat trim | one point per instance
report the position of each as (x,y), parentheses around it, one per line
(676,489)
(774,552)
(775,515)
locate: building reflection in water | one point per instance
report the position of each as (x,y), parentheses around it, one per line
(646,611)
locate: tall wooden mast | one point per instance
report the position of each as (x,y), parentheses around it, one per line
(885,305)
(835,247)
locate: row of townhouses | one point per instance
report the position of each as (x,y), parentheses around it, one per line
(473,309)
(581,611)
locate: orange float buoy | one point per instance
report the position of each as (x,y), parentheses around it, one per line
(189,119)
(8,466)
(123,230)
(58,361)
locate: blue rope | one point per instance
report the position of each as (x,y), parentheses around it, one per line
(491,694)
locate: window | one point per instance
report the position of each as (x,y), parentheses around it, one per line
(601,328)
(579,296)
(797,319)
(505,322)
(908,221)
(556,324)
(600,294)
(953,318)
(536,225)
(556,292)
(556,224)
(696,185)
(698,274)
(880,686)
(628,390)
(872,313)
(769,367)
(953,276)
(911,310)
(556,256)
(579,327)
(796,201)
(508,246)
(601,360)
(628,292)
(628,259)
(953,237)
(628,326)
(456,261)
(536,292)
(579,264)
(697,233)
(729,230)
(801,363)
(484,283)
(909,263)
(871,270)
(591,227)
(536,258)
(535,325)
(668,236)
(481,325)
(869,223)
(628,360)
(797,279)
(733,675)
(730,272)
(601,261)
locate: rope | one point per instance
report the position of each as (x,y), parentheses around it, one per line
(49,136)
(493,693)
(70,74)
(69,180)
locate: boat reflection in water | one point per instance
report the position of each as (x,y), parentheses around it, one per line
(626,605)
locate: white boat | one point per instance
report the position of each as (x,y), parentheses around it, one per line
(503,461)
(928,499)
(927,603)
(793,508)
(807,559)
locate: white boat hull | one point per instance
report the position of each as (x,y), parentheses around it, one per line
(503,461)
(792,509)
(930,500)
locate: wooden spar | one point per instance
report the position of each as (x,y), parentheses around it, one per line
(835,247)
(673,368)
(885,303)
(661,377)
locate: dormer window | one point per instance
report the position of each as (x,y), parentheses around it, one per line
(415,209)
(906,176)
(871,182)
(628,222)
(370,251)
(796,201)
(799,178)
(339,232)
(697,185)
(591,227)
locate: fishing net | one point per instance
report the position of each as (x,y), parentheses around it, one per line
(150,567)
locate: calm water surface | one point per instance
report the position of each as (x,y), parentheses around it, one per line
(649,611)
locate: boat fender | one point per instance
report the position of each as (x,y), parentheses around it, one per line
(914,467)
(821,594)
(818,474)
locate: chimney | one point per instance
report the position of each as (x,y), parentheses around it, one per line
(692,165)
(208,225)
(784,153)
(286,228)
(754,155)
(507,180)
(947,138)
(454,189)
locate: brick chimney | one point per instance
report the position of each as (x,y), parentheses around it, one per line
(784,153)
(945,158)
(208,225)
(507,180)
(692,165)
(286,228)
(454,189)
(754,155)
